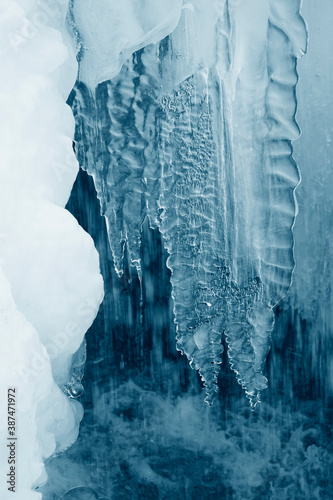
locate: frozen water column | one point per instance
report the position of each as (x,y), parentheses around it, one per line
(215,166)
(51,286)
(228,178)
(266,40)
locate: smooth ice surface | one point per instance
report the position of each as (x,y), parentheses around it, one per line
(196,132)
(51,286)
(46,420)
(313,278)
(111,31)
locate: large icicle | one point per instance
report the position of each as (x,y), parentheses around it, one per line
(260,90)
(201,125)
(115,156)
(116,160)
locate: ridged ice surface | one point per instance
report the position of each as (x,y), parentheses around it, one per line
(198,137)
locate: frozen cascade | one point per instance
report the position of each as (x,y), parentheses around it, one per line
(264,173)
(51,286)
(146,432)
(207,154)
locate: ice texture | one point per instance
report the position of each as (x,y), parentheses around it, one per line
(111,31)
(51,286)
(146,432)
(196,132)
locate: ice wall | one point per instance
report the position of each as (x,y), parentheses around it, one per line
(196,132)
(51,287)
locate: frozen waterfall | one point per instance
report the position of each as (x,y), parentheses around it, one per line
(160,212)
(195,132)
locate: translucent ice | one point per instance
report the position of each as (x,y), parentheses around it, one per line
(111,31)
(196,132)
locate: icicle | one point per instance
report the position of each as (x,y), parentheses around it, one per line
(212,108)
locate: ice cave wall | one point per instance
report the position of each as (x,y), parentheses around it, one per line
(51,286)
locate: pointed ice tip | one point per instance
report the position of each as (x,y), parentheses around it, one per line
(254,399)
(211,394)
(119,271)
(209,399)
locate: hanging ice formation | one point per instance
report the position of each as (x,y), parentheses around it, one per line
(195,131)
